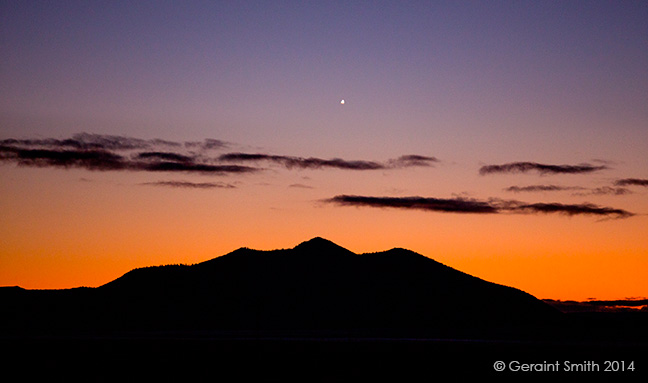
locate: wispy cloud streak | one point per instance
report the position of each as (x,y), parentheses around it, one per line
(411,160)
(191,185)
(291,162)
(302,163)
(632,182)
(580,191)
(540,188)
(605,190)
(104,153)
(89,141)
(89,159)
(169,166)
(465,205)
(572,209)
(525,167)
(452,205)
(165,156)
(300,186)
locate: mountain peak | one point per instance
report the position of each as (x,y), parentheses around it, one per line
(316,286)
(320,245)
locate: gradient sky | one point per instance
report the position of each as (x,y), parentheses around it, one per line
(555,94)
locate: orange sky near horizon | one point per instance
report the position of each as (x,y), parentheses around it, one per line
(151,133)
(71,228)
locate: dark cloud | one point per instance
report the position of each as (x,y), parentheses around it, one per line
(104,160)
(89,141)
(300,186)
(569,209)
(207,144)
(108,142)
(336,163)
(48,142)
(465,205)
(411,160)
(191,185)
(302,163)
(88,159)
(453,205)
(165,156)
(524,167)
(82,141)
(106,152)
(242,157)
(540,188)
(632,182)
(605,190)
(169,166)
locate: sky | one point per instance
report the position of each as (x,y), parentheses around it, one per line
(506,139)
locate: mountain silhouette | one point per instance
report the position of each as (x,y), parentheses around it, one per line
(316,312)
(315,286)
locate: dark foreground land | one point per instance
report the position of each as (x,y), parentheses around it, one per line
(314,313)
(343,360)
(584,352)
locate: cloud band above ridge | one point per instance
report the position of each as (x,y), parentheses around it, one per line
(526,167)
(465,205)
(104,153)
